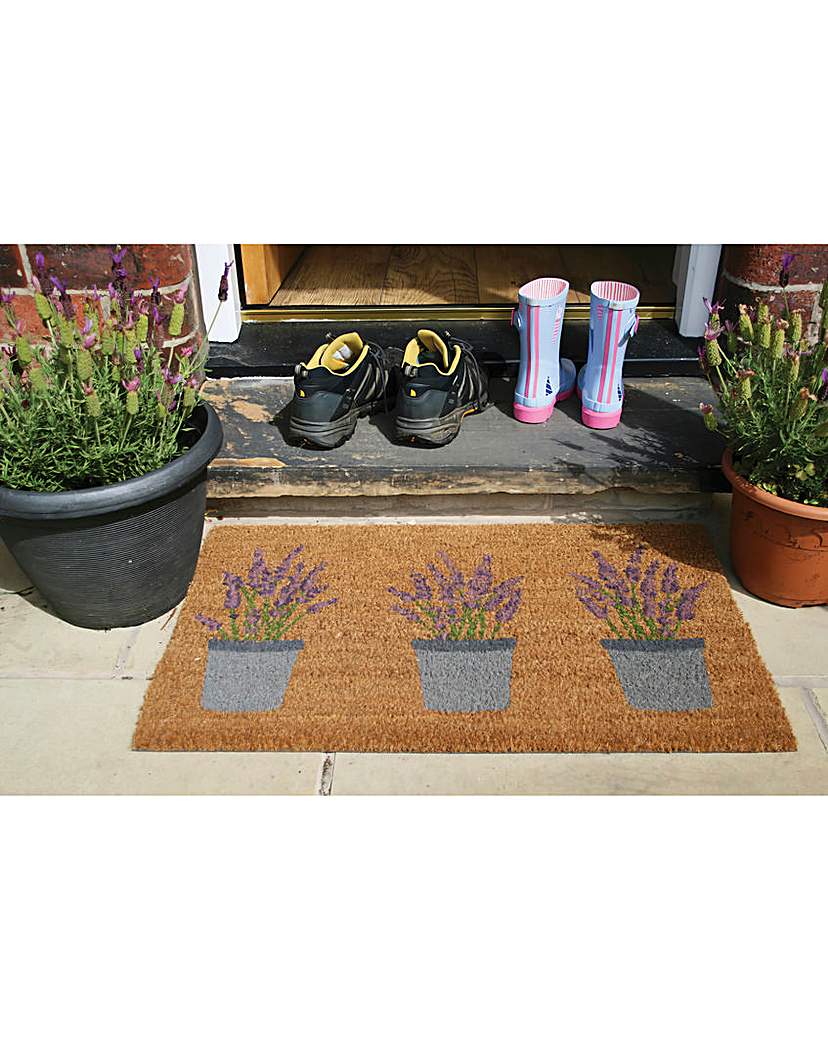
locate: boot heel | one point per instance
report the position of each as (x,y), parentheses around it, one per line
(600,420)
(527,414)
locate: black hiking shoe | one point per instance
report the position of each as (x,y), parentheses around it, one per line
(442,382)
(345,379)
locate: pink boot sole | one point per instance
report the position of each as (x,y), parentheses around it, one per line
(600,420)
(524,413)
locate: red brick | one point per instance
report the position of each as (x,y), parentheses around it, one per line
(25,310)
(12,275)
(761,264)
(82,266)
(733,295)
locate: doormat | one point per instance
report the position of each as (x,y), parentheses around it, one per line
(458,638)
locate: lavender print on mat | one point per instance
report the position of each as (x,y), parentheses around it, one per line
(465,664)
(249,657)
(658,671)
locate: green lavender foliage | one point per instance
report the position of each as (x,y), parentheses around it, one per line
(99,400)
(772,389)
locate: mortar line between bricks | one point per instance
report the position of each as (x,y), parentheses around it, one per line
(326,773)
(758,287)
(812,707)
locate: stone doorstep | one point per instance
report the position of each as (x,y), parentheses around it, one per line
(660,448)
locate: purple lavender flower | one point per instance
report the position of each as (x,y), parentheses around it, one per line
(406,597)
(784,270)
(210,623)
(669,580)
(648,590)
(171,378)
(224,284)
(284,567)
(118,256)
(480,583)
(686,609)
(606,571)
(712,332)
(406,612)
(595,607)
(40,262)
(509,608)
(321,606)
(590,583)
(233,583)
(713,308)
(501,592)
(633,568)
(6,296)
(822,393)
(131,385)
(421,585)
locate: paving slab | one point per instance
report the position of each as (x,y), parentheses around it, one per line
(34,642)
(801,772)
(73,737)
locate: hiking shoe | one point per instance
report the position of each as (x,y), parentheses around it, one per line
(441,383)
(345,379)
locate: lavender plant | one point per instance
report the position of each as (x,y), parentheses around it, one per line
(448,605)
(644,605)
(103,397)
(772,389)
(269,603)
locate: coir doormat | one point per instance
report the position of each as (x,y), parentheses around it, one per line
(497,637)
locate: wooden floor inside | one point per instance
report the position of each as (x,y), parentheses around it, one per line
(374,275)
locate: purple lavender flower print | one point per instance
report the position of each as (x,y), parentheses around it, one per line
(268,603)
(209,623)
(652,606)
(457,607)
(233,583)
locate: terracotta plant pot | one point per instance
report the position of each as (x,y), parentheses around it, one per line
(779,548)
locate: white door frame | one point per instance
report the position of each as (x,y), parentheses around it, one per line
(210,261)
(694,276)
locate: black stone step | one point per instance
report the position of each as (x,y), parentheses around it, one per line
(661,445)
(275,348)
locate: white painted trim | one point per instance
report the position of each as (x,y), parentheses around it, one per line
(210,261)
(694,275)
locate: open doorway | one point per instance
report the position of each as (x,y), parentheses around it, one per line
(394,276)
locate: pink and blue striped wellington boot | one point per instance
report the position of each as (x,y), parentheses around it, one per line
(612,324)
(544,377)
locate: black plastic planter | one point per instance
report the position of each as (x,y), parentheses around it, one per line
(120,555)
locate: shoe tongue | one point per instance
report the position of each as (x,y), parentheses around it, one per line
(432,350)
(342,352)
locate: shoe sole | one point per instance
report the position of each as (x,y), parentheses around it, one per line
(527,414)
(436,433)
(327,435)
(598,420)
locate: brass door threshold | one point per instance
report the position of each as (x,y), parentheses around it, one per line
(575,312)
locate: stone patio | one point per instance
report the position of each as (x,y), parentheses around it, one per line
(69,699)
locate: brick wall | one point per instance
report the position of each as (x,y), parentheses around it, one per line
(81,267)
(749,273)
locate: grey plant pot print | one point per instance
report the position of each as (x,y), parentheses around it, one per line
(246,675)
(465,675)
(661,675)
